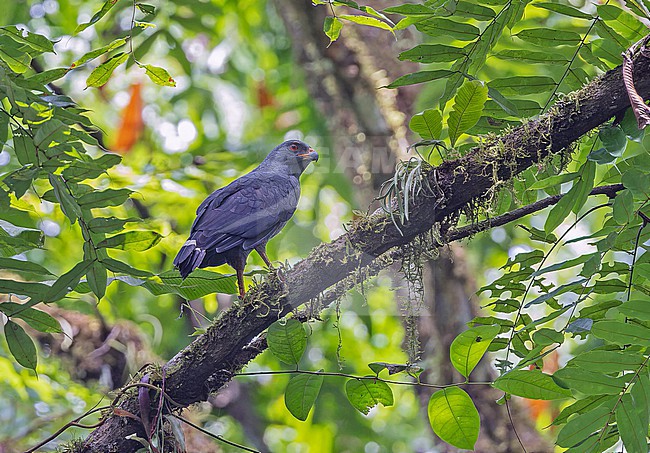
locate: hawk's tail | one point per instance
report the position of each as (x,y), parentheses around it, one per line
(189,258)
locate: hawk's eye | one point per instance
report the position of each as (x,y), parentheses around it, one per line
(293,147)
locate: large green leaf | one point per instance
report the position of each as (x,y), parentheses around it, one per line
(103,198)
(36,319)
(103,72)
(633,433)
(582,426)
(547,37)
(15,239)
(136,240)
(159,75)
(97,279)
(454,417)
(69,205)
(106,7)
(427,124)
(467,108)
(518,85)
(287,340)
(419,77)
(607,361)
(531,384)
(636,308)
(622,333)
(433,53)
(67,282)
(468,348)
(301,393)
(364,394)
(589,382)
(20,345)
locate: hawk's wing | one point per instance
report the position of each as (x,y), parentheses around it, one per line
(246,213)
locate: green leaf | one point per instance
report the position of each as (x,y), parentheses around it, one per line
(97,278)
(419,77)
(102,73)
(69,205)
(136,240)
(369,21)
(27,289)
(33,40)
(632,432)
(584,185)
(563,9)
(25,149)
(48,76)
(638,182)
(581,406)
(123,268)
(37,319)
(508,106)
(48,132)
(24,268)
(531,384)
(17,60)
(636,308)
(432,53)
(15,239)
(531,57)
(519,85)
(301,393)
(67,282)
(468,348)
(607,361)
(613,139)
(364,394)
(467,108)
(474,11)
(641,394)
(427,124)
(109,224)
(104,198)
(159,75)
(454,417)
(589,382)
(332,27)
(622,333)
(546,337)
(457,30)
(623,207)
(20,345)
(80,170)
(630,126)
(100,51)
(629,26)
(106,7)
(199,284)
(581,426)
(547,37)
(568,287)
(287,340)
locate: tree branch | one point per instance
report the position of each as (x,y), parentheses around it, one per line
(211,360)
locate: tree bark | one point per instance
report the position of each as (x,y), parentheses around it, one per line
(212,359)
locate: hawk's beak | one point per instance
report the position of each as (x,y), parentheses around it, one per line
(311,155)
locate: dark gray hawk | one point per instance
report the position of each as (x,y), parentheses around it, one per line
(247,213)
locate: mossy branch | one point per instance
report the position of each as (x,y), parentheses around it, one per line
(211,360)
